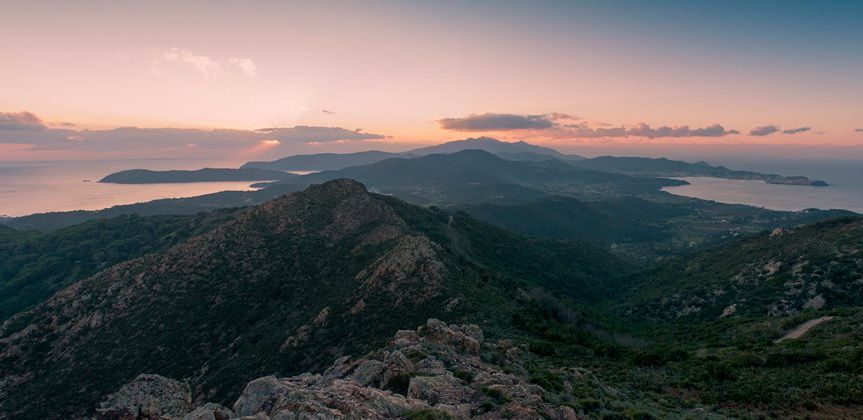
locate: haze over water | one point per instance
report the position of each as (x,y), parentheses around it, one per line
(844,192)
(37,187)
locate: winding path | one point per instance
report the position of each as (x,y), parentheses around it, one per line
(803,329)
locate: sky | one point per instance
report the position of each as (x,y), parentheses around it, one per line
(104,79)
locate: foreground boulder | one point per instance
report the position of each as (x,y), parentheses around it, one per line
(435,371)
(147,397)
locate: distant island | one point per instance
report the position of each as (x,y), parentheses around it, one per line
(145,176)
(662,167)
(518,151)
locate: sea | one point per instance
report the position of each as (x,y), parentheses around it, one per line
(37,187)
(845,190)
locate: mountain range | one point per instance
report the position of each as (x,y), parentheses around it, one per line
(472,175)
(514,151)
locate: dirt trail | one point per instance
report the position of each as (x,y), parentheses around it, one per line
(803,328)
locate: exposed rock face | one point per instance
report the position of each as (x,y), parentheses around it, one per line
(210,411)
(435,370)
(147,397)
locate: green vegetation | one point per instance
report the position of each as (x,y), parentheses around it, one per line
(35,265)
(282,288)
(776,273)
(221,298)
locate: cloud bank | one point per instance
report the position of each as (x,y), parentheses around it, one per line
(771,129)
(20,121)
(560,125)
(645,130)
(25,128)
(764,130)
(796,130)
(499,122)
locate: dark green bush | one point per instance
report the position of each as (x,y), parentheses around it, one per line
(542,348)
(547,380)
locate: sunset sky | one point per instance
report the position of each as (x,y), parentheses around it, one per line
(99,79)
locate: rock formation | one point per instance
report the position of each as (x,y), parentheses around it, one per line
(435,371)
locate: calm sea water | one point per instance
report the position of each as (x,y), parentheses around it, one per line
(36,187)
(844,176)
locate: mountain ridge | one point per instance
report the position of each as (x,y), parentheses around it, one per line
(439,178)
(281,288)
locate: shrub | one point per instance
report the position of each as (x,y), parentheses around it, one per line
(589,405)
(464,375)
(718,371)
(648,358)
(415,355)
(427,414)
(542,348)
(547,380)
(495,395)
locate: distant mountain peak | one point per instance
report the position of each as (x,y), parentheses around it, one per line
(487,144)
(483,139)
(341,186)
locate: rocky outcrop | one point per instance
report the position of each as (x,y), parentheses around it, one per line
(210,411)
(435,370)
(147,397)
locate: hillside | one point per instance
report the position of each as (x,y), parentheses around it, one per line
(281,288)
(321,161)
(144,176)
(603,222)
(779,273)
(35,265)
(646,229)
